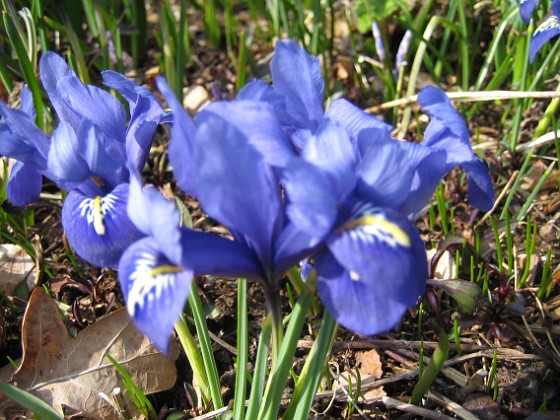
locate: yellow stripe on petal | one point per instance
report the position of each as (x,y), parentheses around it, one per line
(380,227)
(98,224)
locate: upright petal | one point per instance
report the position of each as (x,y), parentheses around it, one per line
(547,30)
(181,147)
(155,290)
(260,91)
(259,123)
(98,228)
(375,267)
(94,104)
(145,115)
(24,185)
(297,76)
(236,187)
(53,68)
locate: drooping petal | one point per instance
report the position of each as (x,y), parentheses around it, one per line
(297,76)
(98,228)
(155,290)
(481,192)
(208,253)
(447,131)
(21,138)
(375,267)
(526,9)
(155,216)
(354,121)
(145,115)
(181,147)
(547,30)
(259,123)
(236,187)
(24,185)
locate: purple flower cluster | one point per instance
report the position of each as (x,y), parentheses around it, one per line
(290,180)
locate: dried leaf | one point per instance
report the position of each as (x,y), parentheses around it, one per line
(369,367)
(73,372)
(16,266)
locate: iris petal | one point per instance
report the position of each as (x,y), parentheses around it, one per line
(259,123)
(547,30)
(98,228)
(236,187)
(297,76)
(24,185)
(375,267)
(526,9)
(481,192)
(154,289)
(145,115)
(181,147)
(155,216)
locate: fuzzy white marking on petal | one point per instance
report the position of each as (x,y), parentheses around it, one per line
(149,281)
(371,225)
(354,276)
(96,209)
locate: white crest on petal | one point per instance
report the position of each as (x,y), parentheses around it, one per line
(370,225)
(96,209)
(149,281)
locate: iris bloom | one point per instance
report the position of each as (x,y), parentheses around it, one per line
(547,30)
(88,155)
(526,9)
(290,182)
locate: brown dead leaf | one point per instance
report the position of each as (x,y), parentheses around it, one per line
(73,372)
(16,266)
(368,363)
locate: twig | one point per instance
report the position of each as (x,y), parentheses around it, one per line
(499,199)
(451,406)
(413,409)
(484,96)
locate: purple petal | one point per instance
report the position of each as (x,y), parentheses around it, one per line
(236,187)
(181,147)
(481,191)
(155,216)
(259,123)
(374,269)
(260,91)
(145,115)
(98,228)
(526,9)
(547,30)
(27,104)
(155,290)
(330,150)
(354,120)
(207,253)
(297,76)
(94,104)
(24,185)
(53,68)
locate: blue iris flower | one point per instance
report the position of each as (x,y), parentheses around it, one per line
(547,30)
(88,155)
(291,181)
(526,9)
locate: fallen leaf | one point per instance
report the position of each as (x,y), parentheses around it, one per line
(16,266)
(368,364)
(74,372)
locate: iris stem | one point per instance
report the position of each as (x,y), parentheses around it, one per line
(272,297)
